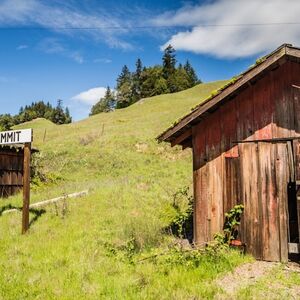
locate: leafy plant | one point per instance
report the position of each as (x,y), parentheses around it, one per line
(232,221)
(182,222)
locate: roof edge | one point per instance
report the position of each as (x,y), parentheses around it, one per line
(228,89)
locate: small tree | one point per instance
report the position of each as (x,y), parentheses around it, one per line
(192,76)
(105,104)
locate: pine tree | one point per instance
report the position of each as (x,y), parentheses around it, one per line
(68,116)
(124,77)
(137,81)
(192,76)
(169,62)
(58,115)
(124,88)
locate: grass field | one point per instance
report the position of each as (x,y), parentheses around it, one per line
(93,247)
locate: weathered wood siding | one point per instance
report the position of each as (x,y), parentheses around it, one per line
(11,171)
(255,174)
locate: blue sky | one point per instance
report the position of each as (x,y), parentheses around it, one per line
(72,50)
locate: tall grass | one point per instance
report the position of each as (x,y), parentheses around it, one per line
(131,180)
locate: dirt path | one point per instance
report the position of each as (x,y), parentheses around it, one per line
(249,274)
(245,275)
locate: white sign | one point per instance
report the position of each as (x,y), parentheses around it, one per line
(16,137)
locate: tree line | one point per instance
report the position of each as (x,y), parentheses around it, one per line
(147,82)
(39,109)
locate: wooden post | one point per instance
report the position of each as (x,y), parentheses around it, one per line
(26,187)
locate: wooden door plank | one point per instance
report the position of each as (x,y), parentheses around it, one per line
(282,178)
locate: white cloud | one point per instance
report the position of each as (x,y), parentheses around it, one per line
(90,96)
(227,38)
(22,47)
(62,16)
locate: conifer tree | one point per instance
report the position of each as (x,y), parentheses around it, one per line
(192,76)
(137,81)
(124,88)
(169,62)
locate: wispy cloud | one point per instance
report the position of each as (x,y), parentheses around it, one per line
(230,36)
(63,17)
(90,96)
(55,46)
(102,60)
(22,47)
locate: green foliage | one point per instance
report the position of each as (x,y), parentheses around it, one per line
(154,80)
(181,220)
(124,88)
(37,109)
(58,115)
(232,221)
(169,62)
(39,176)
(105,104)
(230,229)
(6,121)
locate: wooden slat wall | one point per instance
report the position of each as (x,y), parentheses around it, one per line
(11,172)
(264,110)
(282,178)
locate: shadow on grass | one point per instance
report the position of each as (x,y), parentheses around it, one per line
(8,207)
(36,212)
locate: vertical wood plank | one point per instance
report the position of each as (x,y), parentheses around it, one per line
(282,178)
(263,107)
(250,198)
(215,175)
(200,186)
(26,188)
(270,228)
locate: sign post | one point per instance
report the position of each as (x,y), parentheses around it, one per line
(26,187)
(22,137)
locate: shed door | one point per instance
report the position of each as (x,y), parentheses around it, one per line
(265,174)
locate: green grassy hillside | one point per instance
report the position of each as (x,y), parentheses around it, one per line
(90,248)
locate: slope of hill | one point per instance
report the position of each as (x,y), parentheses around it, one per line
(87,248)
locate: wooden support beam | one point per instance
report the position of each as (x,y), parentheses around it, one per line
(182,137)
(274,140)
(26,187)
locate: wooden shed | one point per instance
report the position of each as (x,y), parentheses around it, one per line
(246,149)
(11,170)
